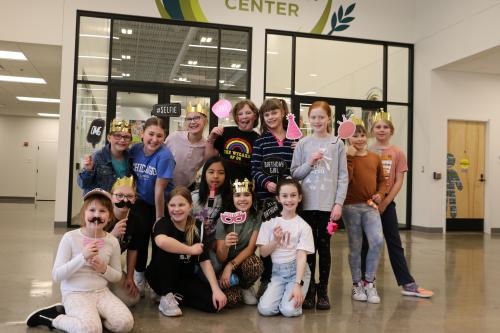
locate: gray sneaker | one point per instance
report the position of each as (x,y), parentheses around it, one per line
(358,293)
(169,306)
(371,293)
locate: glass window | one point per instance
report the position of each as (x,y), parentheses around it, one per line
(233,98)
(233,60)
(136,108)
(179,123)
(337,69)
(155,52)
(397,74)
(279,64)
(305,125)
(93,49)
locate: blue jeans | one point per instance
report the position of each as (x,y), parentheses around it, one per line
(276,297)
(358,218)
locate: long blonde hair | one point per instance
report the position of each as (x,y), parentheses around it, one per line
(190,229)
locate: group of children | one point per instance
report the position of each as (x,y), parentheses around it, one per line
(204,241)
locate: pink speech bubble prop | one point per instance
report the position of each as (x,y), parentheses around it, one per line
(293,131)
(222,108)
(346,128)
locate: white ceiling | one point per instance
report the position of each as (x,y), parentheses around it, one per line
(44,61)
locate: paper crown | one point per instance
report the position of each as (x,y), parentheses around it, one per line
(357,121)
(120,126)
(124,181)
(381,115)
(197,108)
(244,186)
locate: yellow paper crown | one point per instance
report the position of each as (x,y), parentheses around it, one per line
(244,186)
(124,181)
(357,121)
(381,115)
(197,108)
(120,126)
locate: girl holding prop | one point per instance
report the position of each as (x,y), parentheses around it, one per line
(319,162)
(109,163)
(87,260)
(288,240)
(366,185)
(177,250)
(153,167)
(395,167)
(236,235)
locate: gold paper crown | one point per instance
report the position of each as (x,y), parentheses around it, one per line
(357,121)
(120,126)
(198,108)
(244,186)
(124,181)
(381,115)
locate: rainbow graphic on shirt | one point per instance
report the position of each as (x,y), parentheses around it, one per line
(238,148)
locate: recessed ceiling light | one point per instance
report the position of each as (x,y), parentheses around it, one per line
(221,81)
(12,55)
(50,115)
(38,99)
(313,75)
(205,39)
(22,79)
(272,52)
(235,65)
(125,74)
(126,56)
(192,62)
(126,31)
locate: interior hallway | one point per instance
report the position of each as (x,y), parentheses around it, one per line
(462,270)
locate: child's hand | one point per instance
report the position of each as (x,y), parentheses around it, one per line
(119,228)
(382,206)
(226,276)
(377,198)
(315,157)
(231,239)
(336,212)
(278,234)
(271,187)
(219,299)
(130,286)
(98,264)
(196,249)
(88,164)
(90,250)
(297,296)
(351,151)
(294,144)
(216,132)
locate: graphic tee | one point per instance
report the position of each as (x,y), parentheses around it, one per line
(393,162)
(235,147)
(244,231)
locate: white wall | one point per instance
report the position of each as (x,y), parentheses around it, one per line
(18,167)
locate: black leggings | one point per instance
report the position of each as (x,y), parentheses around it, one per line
(318,220)
(148,214)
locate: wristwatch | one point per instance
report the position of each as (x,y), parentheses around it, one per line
(300,283)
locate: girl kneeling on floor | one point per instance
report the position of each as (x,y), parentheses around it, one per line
(177,250)
(87,260)
(288,239)
(236,235)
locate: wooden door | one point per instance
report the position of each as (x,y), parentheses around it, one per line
(465,175)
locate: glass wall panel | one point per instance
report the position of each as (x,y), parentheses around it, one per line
(337,69)
(233,60)
(155,52)
(91,104)
(305,125)
(93,49)
(233,98)
(279,64)
(136,108)
(397,74)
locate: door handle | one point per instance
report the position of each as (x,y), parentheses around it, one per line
(482,179)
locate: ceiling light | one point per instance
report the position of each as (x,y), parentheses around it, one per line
(205,39)
(98,57)
(235,65)
(98,36)
(272,52)
(38,99)
(125,74)
(313,75)
(221,81)
(50,115)
(192,62)
(22,79)
(126,31)
(12,55)
(214,47)
(126,56)
(229,84)
(198,66)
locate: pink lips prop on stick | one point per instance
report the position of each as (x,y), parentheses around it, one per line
(293,131)
(222,108)
(346,128)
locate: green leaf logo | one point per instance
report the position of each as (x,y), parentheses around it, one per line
(340,19)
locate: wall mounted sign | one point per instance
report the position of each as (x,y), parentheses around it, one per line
(167,110)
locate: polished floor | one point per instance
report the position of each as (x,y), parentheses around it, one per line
(462,269)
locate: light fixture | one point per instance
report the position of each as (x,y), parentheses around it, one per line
(192,62)
(12,55)
(98,57)
(125,74)
(236,66)
(22,79)
(182,79)
(50,115)
(126,56)
(38,99)
(205,39)
(229,84)
(198,66)
(126,31)
(214,47)
(221,81)
(272,52)
(97,36)
(313,75)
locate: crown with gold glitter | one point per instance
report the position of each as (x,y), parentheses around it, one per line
(124,181)
(381,115)
(357,121)
(120,126)
(244,186)
(197,108)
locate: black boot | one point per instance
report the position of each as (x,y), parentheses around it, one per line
(323,301)
(45,316)
(310,297)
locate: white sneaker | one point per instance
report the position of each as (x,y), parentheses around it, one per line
(358,293)
(371,293)
(140,282)
(249,296)
(169,306)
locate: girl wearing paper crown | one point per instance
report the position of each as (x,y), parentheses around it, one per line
(236,234)
(395,167)
(106,165)
(235,144)
(188,146)
(319,162)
